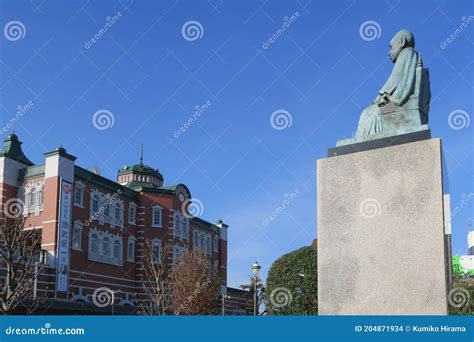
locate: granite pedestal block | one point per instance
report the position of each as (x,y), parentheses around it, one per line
(381,235)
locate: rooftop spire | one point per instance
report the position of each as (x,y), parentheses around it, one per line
(141,154)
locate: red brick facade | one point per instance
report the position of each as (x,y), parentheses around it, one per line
(109,224)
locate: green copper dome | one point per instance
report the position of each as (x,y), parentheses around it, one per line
(141,169)
(140,175)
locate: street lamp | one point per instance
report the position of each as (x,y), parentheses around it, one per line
(255,271)
(224,297)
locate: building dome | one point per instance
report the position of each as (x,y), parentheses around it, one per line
(139,175)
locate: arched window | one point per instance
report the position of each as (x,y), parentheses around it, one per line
(77,235)
(105,246)
(117,211)
(156,250)
(116,249)
(79,194)
(131,249)
(95,204)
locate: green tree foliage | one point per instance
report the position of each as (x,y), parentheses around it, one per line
(292,284)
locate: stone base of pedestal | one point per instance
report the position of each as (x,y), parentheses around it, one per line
(381,236)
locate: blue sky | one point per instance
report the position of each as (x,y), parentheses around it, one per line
(150,78)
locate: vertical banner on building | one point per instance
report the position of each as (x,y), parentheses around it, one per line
(64,229)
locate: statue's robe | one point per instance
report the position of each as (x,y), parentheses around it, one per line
(399,87)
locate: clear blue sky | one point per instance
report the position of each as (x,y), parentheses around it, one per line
(150,78)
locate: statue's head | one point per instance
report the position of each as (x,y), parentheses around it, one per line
(403,39)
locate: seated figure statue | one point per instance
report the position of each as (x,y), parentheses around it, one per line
(402,104)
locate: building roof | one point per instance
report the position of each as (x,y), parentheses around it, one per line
(32,171)
(205,224)
(92,177)
(12,149)
(141,169)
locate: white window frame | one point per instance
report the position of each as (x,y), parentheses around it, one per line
(158,209)
(79,188)
(108,206)
(117,205)
(216,244)
(105,252)
(100,256)
(91,242)
(132,219)
(77,226)
(33,196)
(95,197)
(156,243)
(131,248)
(116,243)
(181,226)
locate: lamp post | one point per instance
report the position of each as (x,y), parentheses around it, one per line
(255,271)
(224,297)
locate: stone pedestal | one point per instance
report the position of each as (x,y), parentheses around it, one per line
(381,235)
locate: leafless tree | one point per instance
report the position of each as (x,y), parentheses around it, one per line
(156,283)
(19,252)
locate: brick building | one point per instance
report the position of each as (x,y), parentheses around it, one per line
(93,229)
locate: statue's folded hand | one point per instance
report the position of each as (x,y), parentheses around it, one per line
(382,100)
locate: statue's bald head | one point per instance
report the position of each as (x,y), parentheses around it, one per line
(403,39)
(408,36)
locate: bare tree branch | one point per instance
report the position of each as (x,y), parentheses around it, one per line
(19,251)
